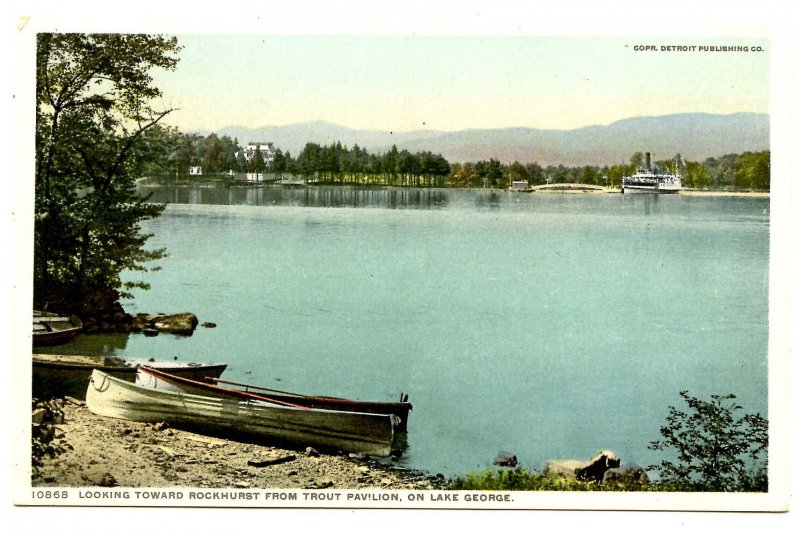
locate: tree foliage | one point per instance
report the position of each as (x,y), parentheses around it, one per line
(716,450)
(93,109)
(257,164)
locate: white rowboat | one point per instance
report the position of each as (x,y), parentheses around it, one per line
(354,432)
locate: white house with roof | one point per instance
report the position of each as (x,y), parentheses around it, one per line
(267,150)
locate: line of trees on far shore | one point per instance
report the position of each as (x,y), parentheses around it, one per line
(746,171)
(175,153)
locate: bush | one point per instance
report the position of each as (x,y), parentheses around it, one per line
(716,451)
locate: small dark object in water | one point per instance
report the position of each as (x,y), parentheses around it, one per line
(209,325)
(150,332)
(505,458)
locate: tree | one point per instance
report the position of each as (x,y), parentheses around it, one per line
(184,156)
(697,175)
(213,155)
(518,173)
(257,164)
(229,150)
(716,451)
(93,95)
(280,162)
(535,173)
(753,170)
(637,160)
(157,151)
(588,175)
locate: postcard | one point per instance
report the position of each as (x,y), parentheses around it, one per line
(338,267)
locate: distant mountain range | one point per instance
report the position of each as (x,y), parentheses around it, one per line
(695,136)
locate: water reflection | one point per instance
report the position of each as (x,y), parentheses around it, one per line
(491,199)
(308,196)
(108,344)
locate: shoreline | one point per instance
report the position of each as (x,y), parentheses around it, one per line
(95,451)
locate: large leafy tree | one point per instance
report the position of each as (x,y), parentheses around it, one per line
(94,95)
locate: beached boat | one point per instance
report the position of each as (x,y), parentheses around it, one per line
(162,379)
(68,375)
(355,432)
(54,330)
(651,180)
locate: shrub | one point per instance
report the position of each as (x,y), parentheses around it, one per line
(716,450)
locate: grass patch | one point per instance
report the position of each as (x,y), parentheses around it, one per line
(526,480)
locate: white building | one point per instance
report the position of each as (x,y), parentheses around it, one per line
(196,170)
(520,185)
(267,150)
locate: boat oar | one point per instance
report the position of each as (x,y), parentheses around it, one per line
(218,380)
(249,395)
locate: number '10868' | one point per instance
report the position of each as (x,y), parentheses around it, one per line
(50,494)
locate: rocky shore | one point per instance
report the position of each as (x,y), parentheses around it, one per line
(119,321)
(76,448)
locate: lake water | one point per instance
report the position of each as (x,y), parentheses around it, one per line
(548,325)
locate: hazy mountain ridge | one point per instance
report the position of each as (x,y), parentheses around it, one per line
(695,136)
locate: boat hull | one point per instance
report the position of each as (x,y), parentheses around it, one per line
(155,379)
(369,434)
(68,375)
(53,331)
(627,190)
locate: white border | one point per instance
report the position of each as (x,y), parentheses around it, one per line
(774,21)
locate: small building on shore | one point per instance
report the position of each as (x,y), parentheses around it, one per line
(520,185)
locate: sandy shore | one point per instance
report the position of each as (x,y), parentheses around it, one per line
(106,452)
(697,193)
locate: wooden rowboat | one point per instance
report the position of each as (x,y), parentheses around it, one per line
(163,379)
(355,432)
(68,375)
(55,330)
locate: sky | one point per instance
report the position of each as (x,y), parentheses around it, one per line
(410,82)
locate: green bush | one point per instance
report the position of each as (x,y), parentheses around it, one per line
(714,449)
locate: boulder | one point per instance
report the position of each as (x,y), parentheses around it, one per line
(139,323)
(589,470)
(597,466)
(184,323)
(566,468)
(628,474)
(505,458)
(38,415)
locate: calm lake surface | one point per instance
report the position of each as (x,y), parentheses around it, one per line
(547,325)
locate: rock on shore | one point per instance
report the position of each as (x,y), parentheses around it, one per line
(93,450)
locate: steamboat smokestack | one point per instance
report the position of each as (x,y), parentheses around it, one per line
(647,160)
